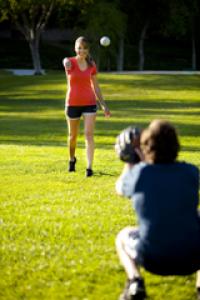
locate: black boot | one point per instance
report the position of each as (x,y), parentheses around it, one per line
(72,165)
(134,290)
(89,173)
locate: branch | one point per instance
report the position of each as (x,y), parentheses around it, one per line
(45,16)
(27,27)
(20,28)
(32,14)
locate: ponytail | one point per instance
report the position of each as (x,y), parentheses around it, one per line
(90,60)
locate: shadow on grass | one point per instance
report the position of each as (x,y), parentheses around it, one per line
(30,105)
(56,84)
(38,119)
(99,174)
(54,132)
(152,82)
(48,129)
(8,104)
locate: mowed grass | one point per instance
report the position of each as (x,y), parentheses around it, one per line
(57,230)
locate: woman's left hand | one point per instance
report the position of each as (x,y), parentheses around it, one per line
(107,113)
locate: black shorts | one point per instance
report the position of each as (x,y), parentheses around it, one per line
(75,112)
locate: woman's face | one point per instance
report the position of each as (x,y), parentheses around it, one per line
(81,50)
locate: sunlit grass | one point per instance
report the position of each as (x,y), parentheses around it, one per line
(58,229)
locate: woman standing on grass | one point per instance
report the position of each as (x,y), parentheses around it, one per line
(83,90)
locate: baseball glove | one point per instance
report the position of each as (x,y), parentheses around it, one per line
(125,145)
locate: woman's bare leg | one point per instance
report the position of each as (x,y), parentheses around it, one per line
(73,128)
(89,125)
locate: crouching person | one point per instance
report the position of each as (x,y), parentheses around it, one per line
(165,198)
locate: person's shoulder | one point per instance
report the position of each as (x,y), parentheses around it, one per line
(139,167)
(189,167)
(142,165)
(69,58)
(72,59)
(93,68)
(126,183)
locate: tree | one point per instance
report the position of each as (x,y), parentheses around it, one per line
(183,21)
(105,18)
(144,15)
(30,18)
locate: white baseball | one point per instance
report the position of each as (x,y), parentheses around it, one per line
(105,41)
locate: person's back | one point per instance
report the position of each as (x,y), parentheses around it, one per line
(165,198)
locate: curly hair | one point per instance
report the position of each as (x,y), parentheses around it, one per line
(159,142)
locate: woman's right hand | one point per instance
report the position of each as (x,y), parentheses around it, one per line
(67,63)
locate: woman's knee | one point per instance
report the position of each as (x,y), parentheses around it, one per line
(72,137)
(89,135)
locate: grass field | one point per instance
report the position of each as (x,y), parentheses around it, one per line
(57,230)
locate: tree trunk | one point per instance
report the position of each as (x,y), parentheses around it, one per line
(141,47)
(34,47)
(31,25)
(194,65)
(120,57)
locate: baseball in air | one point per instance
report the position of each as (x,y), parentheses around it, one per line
(105,41)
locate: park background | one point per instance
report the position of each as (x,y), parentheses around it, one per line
(57,229)
(145,35)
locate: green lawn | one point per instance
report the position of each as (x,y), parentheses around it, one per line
(57,230)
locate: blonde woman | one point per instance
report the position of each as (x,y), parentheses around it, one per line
(81,100)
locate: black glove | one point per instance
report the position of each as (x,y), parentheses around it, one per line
(125,145)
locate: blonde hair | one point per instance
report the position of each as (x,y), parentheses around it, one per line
(83,41)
